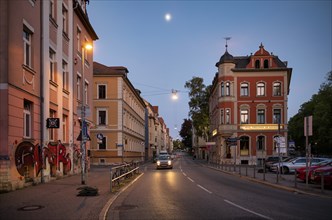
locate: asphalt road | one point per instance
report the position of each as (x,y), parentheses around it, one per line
(191,191)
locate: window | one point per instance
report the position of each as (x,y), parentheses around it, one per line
(261,116)
(260,89)
(27,119)
(257,64)
(244,146)
(266,64)
(64,128)
(222,89)
(261,143)
(222,116)
(78,38)
(101,117)
(64,19)
(102,145)
(65,75)
(277,89)
(52,130)
(101,91)
(228,89)
(52,65)
(52,9)
(276,116)
(244,116)
(78,87)
(244,89)
(228,116)
(27,35)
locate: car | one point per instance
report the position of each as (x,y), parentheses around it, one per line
(326,171)
(164,161)
(273,159)
(290,166)
(301,172)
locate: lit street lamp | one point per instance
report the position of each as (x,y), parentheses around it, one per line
(84,129)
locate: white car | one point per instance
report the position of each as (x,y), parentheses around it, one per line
(292,165)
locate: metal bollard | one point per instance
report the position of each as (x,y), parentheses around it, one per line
(246,170)
(322,181)
(254,172)
(111,180)
(295,182)
(240,170)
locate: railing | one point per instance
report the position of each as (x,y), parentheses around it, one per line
(259,172)
(122,172)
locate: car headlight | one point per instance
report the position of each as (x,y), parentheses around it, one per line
(169,162)
(158,163)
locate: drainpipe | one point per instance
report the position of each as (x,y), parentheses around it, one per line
(42,89)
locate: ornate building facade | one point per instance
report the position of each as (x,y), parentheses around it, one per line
(248,107)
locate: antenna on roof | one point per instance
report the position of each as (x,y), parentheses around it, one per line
(227,39)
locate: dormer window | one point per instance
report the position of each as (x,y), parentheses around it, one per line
(257,64)
(266,64)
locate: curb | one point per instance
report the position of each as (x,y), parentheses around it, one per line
(104,211)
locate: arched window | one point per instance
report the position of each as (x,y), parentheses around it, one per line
(277,89)
(244,89)
(260,89)
(244,146)
(257,64)
(266,64)
(228,89)
(244,116)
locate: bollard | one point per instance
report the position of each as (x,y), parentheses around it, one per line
(246,170)
(264,173)
(295,182)
(254,172)
(111,180)
(322,181)
(240,170)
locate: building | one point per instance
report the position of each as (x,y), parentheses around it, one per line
(118,134)
(42,82)
(153,130)
(248,101)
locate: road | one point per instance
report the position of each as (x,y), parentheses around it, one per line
(192,191)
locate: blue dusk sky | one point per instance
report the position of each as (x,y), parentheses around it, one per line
(162,54)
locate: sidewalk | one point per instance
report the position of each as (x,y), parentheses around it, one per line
(58,199)
(283,181)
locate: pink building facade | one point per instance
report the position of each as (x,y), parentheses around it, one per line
(44,74)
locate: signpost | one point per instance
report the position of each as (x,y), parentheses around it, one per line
(307,133)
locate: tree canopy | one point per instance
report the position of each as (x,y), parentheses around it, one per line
(320,107)
(199,105)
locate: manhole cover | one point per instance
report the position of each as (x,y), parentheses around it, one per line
(125,207)
(30,208)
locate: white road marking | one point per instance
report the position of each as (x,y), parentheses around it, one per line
(204,189)
(190,179)
(184,174)
(247,210)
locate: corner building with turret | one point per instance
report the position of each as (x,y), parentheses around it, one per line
(248,108)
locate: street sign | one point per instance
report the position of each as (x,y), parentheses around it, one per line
(100,136)
(53,123)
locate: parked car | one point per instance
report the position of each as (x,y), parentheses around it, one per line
(326,171)
(301,172)
(273,159)
(290,166)
(164,161)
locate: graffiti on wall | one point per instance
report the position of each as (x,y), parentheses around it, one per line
(29,159)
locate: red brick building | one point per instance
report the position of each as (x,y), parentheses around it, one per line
(248,101)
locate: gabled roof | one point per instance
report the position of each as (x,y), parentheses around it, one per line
(100,69)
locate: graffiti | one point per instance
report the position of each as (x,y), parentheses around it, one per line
(29,158)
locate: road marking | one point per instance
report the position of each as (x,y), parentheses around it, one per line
(204,189)
(247,210)
(184,174)
(190,179)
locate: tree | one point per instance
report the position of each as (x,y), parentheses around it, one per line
(199,105)
(320,107)
(186,133)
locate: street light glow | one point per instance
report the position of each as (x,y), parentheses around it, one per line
(88,46)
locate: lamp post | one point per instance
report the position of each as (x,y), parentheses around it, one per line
(86,46)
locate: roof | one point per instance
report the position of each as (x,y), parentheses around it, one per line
(100,69)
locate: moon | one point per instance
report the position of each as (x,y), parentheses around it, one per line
(168,17)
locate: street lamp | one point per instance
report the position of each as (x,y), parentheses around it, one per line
(84,129)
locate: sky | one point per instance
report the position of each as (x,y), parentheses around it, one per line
(162,54)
